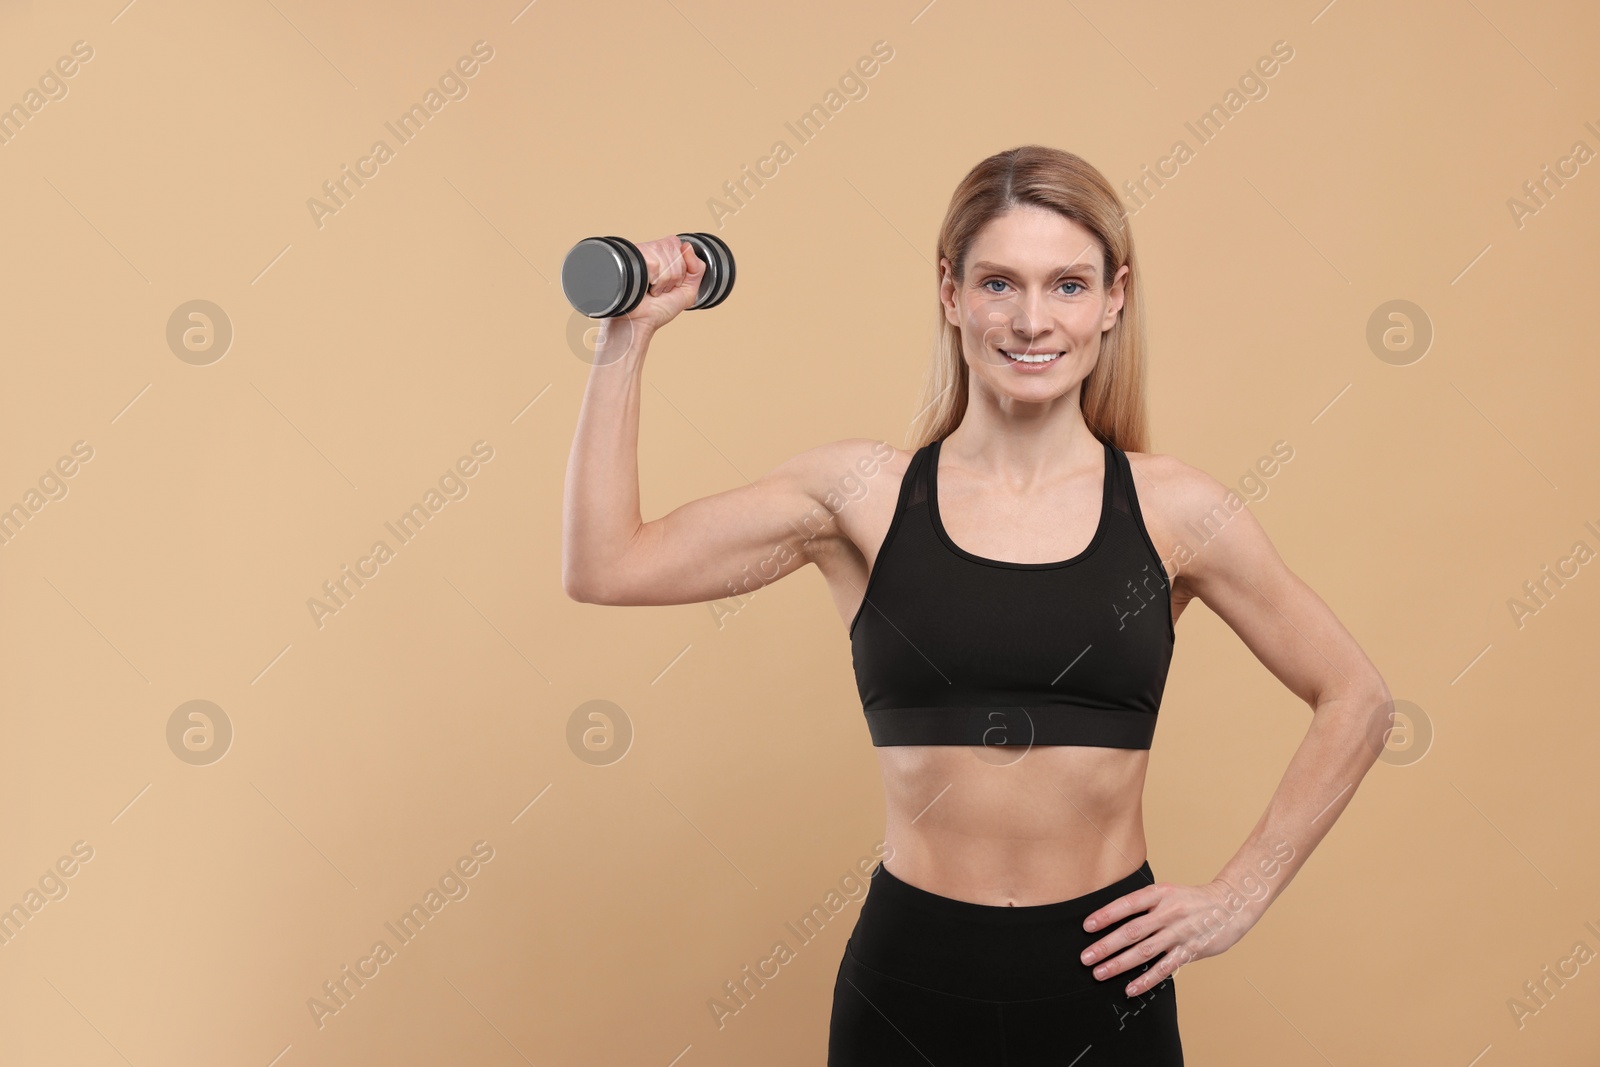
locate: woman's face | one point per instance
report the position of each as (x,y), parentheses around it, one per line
(1032,286)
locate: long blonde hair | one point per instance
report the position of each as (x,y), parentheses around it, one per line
(1112,396)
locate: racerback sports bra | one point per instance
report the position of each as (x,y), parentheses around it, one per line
(951,648)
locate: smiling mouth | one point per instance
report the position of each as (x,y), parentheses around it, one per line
(1031,357)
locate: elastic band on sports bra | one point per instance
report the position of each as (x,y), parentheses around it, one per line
(1011,727)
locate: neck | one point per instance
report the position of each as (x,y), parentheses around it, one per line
(1046,443)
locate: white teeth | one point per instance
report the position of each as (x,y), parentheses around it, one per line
(1042,357)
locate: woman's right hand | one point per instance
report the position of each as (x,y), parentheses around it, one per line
(676,273)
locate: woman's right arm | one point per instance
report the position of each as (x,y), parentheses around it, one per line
(700,551)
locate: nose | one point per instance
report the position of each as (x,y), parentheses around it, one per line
(1029,317)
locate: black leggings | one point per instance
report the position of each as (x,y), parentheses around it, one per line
(926,979)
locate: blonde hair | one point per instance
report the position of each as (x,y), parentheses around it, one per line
(1112,396)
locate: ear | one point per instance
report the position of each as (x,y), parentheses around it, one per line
(947,292)
(1116,295)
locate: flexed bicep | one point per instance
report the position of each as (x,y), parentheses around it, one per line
(729,543)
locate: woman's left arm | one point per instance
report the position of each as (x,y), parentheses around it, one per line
(1240,576)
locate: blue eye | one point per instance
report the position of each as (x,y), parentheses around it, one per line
(1001,281)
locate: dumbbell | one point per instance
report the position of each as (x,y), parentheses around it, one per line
(604,277)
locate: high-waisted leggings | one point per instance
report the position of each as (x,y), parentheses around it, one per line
(928,980)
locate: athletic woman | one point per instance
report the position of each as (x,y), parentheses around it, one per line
(1010,586)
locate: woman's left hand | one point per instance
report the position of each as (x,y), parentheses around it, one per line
(1186,922)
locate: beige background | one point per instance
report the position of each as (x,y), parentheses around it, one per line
(429,713)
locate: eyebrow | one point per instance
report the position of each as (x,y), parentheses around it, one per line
(1084,266)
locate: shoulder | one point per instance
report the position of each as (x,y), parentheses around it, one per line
(1186,509)
(845,486)
(1166,483)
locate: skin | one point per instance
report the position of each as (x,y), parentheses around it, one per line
(1019,480)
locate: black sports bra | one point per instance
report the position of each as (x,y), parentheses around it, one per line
(951,648)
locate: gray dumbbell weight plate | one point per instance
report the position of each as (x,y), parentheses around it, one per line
(598,277)
(711,281)
(638,274)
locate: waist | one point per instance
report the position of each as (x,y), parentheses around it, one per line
(1023,827)
(984,951)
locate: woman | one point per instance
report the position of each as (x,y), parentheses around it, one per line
(1011,587)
